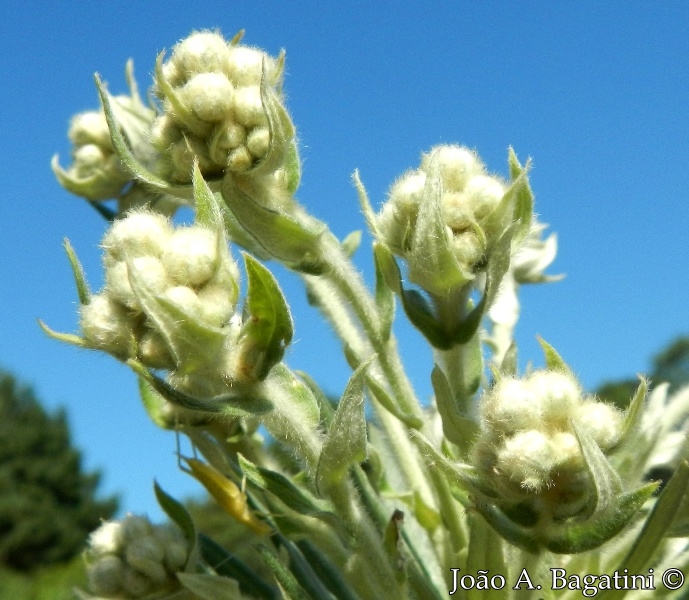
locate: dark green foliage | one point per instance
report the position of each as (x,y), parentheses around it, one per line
(47,504)
(670,365)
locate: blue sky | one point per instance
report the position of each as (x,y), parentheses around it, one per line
(596,93)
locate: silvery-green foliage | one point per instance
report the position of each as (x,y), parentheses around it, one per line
(385,496)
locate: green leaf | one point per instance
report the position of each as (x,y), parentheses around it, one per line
(68,338)
(421,315)
(326,407)
(282,574)
(658,522)
(553,361)
(606,481)
(154,404)
(381,395)
(593,533)
(208,212)
(278,485)
(523,196)
(301,400)
(635,411)
(351,243)
(432,262)
(178,514)
(77,270)
(366,208)
(456,474)
(303,572)
(210,587)
(485,553)
(346,441)
(129,161)
(238,404)
(328,573)
(268,330)
(385,300)
(227,564)
(458,428)
(193,344)
(515,534)
(285,238)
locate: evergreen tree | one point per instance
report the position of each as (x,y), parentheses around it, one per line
(47,503)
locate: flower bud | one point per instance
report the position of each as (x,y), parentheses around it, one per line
(106,325)
(190,257)
(131,558)
(603,422)
(140,233)
(526,458)
(211,91)
(456,163)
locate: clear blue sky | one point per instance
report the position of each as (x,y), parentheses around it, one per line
(597,93)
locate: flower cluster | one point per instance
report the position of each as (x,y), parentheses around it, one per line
(469,197)
(213,108)
(165,288)
(133,558)
(528,448)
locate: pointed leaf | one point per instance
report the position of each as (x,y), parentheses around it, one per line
(390,271)
(77,270)
(351,243)
(432,262)
(658,522)
(278,485)
(592,533)
(326,407)
(154,404)
(290,241)
(518,535)
(553,361)
(421,315)
(227,494)
(456,474)
(303,572)
(523,201)
(635,411)
(458,429)
(394,546)
(284,577)
(127,158)
(385,300)
(346,441)
(228,565)
(208,211)
(328,573)
(178,514)
(236,404)
(381,395)
(366,208)
(210,587)
(68,338)
(268,330)
(606,481)
(486,553)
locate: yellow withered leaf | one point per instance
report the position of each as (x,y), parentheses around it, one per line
(226,493)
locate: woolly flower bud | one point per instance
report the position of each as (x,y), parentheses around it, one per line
(191,256)
(90,128)
(603,422)
(211,91)
(527,459)
(457,164)
(209,95)
(556,394)
(106,325)
(511,407)
(140,233)
(133,558)
(201,52)
(246,66)
(468,199)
